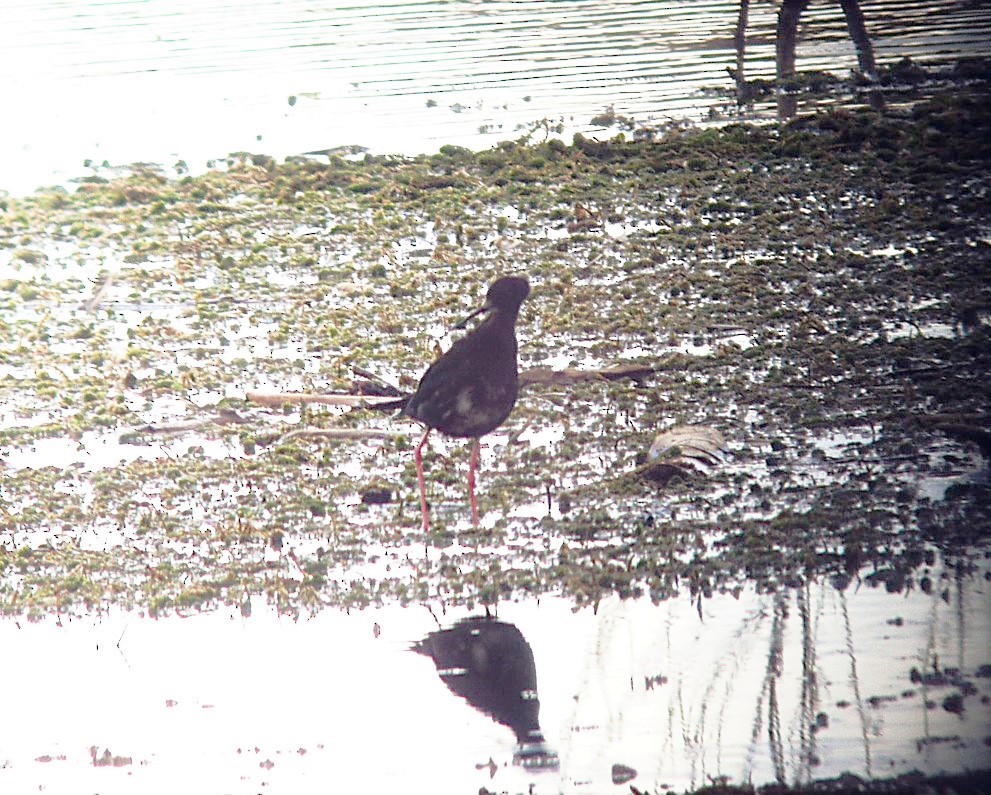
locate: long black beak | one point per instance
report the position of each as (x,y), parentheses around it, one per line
(480,311)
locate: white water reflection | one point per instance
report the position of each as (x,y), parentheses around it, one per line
(338,703)
(194,80)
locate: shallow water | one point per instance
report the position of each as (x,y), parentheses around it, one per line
(228,702)
(166,82)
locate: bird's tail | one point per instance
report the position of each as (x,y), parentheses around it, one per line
(375,388)
(391,405)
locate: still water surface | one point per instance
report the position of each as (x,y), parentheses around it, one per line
(340,703)
(165,82)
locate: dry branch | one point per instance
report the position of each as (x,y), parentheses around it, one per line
(281,398)
(533,376)
(93,303)
(341,433)
(224,417)
(571,375)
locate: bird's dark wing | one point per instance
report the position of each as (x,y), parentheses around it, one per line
(465,392)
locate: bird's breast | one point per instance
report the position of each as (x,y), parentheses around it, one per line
(468,411)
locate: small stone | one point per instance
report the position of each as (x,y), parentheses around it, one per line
(376,496)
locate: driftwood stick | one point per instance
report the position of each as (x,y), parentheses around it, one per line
(224,417)
(571,375)
(341,433)
(955,418)
(175,427)
(535,375)
(93,303)
(280,398)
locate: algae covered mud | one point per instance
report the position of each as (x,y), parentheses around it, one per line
(819,291)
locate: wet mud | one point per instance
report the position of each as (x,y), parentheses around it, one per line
(816,291)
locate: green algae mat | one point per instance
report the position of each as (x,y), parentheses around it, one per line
(819,292)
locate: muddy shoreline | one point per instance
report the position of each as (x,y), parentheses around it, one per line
(818,291)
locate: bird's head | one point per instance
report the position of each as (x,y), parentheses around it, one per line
(504,296)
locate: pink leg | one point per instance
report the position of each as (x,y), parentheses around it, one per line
(418,457)
(472,466)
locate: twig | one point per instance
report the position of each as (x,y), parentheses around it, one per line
(925,369)
(175,427)
(570,375)
(281,398)
(341,433)
(535,375)
(387,388)
(94,302)
(224,417)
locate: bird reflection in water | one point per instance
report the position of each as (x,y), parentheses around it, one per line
(489,664)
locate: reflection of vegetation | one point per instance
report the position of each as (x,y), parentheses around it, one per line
(804,666)
(843,249)
(974,783)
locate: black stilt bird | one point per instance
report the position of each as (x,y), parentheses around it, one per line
(471,389)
